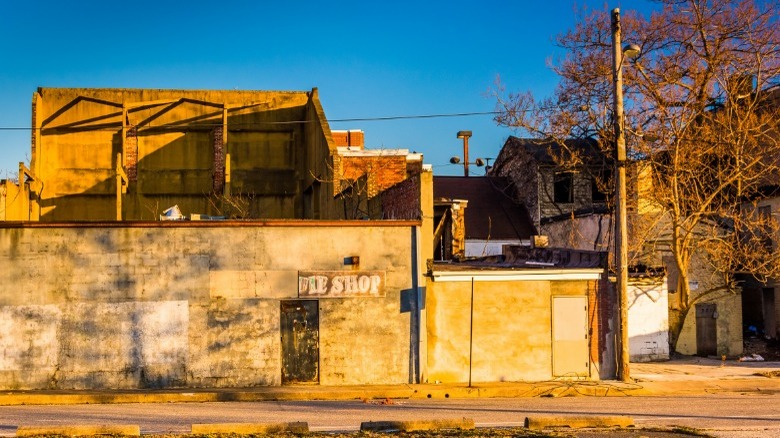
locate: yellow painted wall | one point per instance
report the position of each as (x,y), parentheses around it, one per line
(728,327)
(75,151)
(512,338)
(14,202)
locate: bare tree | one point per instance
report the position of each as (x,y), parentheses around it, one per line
(350,187)
(701,114)
(231,206)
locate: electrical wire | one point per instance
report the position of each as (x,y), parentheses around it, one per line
(285,122)
(418,116)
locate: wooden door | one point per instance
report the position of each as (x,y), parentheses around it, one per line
(299,324)
(706,329)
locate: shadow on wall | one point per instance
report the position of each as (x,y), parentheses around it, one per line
(175,162)
(118,307)
(649,347)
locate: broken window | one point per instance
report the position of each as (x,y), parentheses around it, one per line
(596,192)
(563,188)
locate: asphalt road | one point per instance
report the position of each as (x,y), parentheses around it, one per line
(726,415)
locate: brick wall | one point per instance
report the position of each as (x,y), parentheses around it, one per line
(381,171)
(402,201)
(351,138)
(219,160)
(131,154)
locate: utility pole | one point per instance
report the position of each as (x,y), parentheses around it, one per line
(621,233)
(465,136)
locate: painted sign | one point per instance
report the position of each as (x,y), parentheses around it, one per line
(341,284)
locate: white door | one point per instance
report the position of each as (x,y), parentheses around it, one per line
(570,336)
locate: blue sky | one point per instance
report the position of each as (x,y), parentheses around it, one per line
(368,59)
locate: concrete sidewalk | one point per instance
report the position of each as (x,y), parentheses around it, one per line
(685,376)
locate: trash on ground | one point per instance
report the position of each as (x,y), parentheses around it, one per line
(751,358)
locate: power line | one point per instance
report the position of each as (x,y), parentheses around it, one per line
(284,122)
(419,116)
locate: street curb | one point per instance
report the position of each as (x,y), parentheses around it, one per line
(227,395)
(80,430)
(538,389)
(416,425)
(250,428)
(542,422)
(556,388)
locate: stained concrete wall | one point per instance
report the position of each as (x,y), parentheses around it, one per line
(648,320)
(174,151)
(512,339)
(194,305)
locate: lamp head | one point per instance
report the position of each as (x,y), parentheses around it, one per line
(631,50)
(464,134)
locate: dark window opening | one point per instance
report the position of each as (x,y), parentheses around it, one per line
(765,215)
(596,194)
(563,188)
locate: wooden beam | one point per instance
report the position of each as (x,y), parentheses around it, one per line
(226,148)
(121,185)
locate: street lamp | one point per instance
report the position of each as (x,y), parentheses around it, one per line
(456,160)
(621,231)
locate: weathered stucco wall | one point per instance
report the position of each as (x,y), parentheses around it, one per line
(728,327)
(184,147)
(194,304)
(648,321)
(590,233)
(512,338)
(14,202)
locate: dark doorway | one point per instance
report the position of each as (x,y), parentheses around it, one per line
(299,324)
(770,319)
(752,308)
(706,329)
